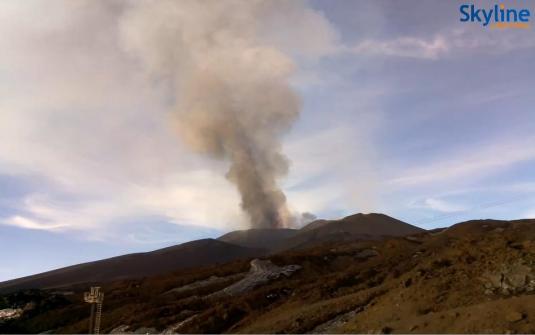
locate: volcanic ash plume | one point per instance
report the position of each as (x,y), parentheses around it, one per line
(232,97)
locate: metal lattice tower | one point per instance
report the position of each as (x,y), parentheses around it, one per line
(95,298)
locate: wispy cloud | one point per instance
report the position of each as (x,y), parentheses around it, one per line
(411,47)
(443,206)
(478,162)
(451,42)
(326,177)
(22,222)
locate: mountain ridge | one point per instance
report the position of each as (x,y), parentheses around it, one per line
(239,244)
(476,276)
(136,265)
(357,226)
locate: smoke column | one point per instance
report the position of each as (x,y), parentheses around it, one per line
(231,94)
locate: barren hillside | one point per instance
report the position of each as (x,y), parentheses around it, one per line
(477,276)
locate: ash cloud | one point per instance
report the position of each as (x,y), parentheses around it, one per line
(230,86)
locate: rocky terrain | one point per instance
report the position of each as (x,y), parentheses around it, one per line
(476,276)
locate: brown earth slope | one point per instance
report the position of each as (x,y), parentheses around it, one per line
(477,276)
(358,226)
(259,238)
(191,254)
(241,244)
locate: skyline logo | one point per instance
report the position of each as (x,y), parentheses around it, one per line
(496,17)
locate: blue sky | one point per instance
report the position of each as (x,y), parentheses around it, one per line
(405,111)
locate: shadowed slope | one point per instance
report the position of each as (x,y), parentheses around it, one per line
(259,238)
(190,254)
(359,226)
(239,244)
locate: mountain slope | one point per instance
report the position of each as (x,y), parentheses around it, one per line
(359,226)
(190,254)
(259,238)
(474,277)
(234,245)
(367,224)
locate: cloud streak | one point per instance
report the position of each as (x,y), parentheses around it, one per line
(474,164)
(443,206)
(22,222)
(450,43)
(404,47)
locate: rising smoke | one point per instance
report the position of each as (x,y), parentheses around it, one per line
(230,87)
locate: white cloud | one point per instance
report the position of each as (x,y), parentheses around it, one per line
(450,42)
(77,111)
(311,36)
(443,206)
(333,170)
(469,165)
(195,198)
(22,222)
(404,47)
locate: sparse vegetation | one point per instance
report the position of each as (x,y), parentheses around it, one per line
(437,285)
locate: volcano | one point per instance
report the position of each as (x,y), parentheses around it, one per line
(333,276)
(240,244)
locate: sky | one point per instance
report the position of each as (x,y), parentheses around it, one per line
(405,110)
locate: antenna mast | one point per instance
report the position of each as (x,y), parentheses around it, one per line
(95,298)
